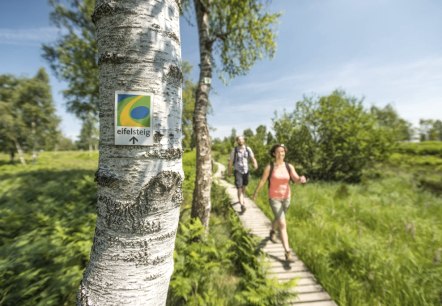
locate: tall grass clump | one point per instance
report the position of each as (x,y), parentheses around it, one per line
(423,161)
(47,216)
(374,243)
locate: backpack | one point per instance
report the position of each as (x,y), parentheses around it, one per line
(246,155)
(288,170)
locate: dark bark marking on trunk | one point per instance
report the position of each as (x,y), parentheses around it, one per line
(174,76)
(162,193)
(114,58)
(169,154)
(105,9)
(157,137)
(172,36)
(105,178)
(108,9)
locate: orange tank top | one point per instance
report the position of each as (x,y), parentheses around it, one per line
(279,183)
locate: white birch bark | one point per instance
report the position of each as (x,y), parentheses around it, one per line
(21,155)
(139,188)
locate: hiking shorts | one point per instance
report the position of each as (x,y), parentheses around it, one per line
(279,207)
(241,179)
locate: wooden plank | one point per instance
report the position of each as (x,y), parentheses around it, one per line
(304,281)
(318,303)
(307,288)
(312,297)
(253,219)
(290,275)
(281,269)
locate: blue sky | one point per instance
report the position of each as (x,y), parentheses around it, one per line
(385,51)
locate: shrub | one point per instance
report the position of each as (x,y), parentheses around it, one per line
(333,137)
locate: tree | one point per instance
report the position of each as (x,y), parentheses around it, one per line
(332,137)
(38,112)
(88,139)
(241,32)
(436,130)
(188,106)
(73,57)
(139,188)
(27,114)
(389,119)
(430,129)
(10,123)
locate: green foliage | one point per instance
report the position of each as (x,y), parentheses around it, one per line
(375,243)
(89,134)
(332,137)
(189,89)
(27,113)
(389,120)
(74,56)
(423,161)
(223,268)
(198,266)
(430,129)
(47,217)
(243,33)
(421,148)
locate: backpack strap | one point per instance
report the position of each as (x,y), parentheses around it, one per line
(235,155)
(249,152)
(289,171)
(270,173)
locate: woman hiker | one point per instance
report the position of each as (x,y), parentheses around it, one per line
(278,174)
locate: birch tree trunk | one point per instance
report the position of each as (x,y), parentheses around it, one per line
(139,187)
(21,155)
(201,196)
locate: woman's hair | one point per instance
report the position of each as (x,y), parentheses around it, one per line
(276,146)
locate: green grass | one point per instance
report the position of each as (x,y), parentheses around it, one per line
(225,267)
(421,148)
(375,243)
(47,216)
(47,220)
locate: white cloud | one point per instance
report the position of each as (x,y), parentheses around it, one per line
(413,88)
(31,36)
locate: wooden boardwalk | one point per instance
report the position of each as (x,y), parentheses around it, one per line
(309,292)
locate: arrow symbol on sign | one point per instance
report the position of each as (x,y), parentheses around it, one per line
(134,140)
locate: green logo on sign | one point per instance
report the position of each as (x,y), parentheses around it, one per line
(133,110)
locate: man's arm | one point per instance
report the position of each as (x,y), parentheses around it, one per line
(255,163)
(252,157)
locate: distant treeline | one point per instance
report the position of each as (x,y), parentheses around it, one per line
(331,137)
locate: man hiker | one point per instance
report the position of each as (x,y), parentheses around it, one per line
(239,161)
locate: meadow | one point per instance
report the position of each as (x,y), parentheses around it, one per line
(47,221)
(378,242)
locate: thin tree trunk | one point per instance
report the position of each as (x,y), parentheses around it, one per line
(139,187)
(201,196)
(34,151)
(12,155)
(21,155)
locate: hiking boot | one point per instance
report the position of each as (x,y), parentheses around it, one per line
(272,236)
(289,257)
(243,208)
